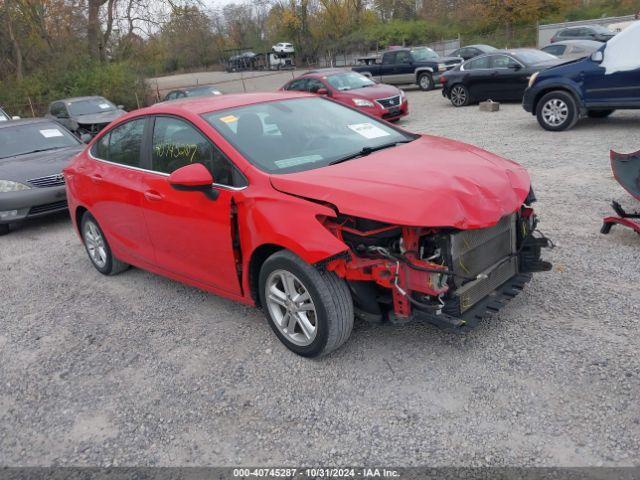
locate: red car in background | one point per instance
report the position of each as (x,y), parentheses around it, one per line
(354,90)
(311,210)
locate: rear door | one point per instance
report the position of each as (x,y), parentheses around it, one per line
(114,179)
(404,71)
(191,234)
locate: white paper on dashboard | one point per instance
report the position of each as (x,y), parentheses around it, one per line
(368,130)
(51,132)
(104,106)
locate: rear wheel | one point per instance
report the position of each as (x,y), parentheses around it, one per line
(310,310)
(425,82)
(557,111)
(599,113)
(98,248)
(460,96)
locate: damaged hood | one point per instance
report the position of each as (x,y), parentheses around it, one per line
(104,117)
(430,182)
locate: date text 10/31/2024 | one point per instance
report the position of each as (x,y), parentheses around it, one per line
(315,473)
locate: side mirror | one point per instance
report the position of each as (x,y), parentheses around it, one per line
(194,178)
(85,137)
(597,57)
(322,91)
(516,67)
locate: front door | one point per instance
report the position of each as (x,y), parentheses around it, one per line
(192,234)
(618,88)
(510,78)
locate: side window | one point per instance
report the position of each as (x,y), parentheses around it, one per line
(313,85)
(403,57)
(554,49)
(125,142)
(298,84)
(477,64)
(176,144)
(389,58)
(101,148)
(502,61)
(58,109)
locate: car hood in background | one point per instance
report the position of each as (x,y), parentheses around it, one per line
(34,165)
(374,92)
(430,182)
(106,117)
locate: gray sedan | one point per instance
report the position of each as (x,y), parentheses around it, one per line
(32,155)
(84,116)
(573,49)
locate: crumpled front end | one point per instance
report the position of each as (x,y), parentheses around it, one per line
(447,276)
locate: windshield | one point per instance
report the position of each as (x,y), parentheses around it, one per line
(601,29)
(89,106)
(534,56)
(22,139)
(349,81)
(301,134)
(424,54)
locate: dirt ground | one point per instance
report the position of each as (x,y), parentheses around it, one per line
(139,370)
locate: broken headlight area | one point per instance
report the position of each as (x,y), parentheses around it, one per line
(92,129)
(446,276)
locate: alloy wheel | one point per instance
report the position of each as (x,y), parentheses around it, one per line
(95,244)
(555,112)
(458,96)
(291,307)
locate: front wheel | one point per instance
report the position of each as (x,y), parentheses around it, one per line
(460,96)
(425,82)
(599,113)
(557,111)
(310,310)
(98,248)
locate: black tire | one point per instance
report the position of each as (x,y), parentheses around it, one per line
(111,266)
(425,82)
(459,95)
(567,111)
(330,296)
(599,113)
(4,229)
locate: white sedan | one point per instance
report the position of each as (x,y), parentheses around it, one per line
(283,47)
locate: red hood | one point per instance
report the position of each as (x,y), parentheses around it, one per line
(374,92)
(431,182)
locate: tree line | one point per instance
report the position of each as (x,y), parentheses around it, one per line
(64,47)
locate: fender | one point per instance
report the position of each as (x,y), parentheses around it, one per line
(288,222)
(559,83)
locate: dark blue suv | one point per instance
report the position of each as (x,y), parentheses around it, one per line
(595,86)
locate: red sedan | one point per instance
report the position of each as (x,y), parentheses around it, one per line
(354,90)
(309,209)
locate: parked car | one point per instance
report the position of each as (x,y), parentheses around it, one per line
(471,51)
(84,115)
(199,91)
(33,153)
(572,49)
(595,86)
(355,90)
(307,208)
(283,47)
(586,32)
(402,66)
(502,75)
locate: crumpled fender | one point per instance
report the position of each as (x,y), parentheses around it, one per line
(289,222)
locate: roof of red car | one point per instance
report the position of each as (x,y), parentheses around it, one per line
(199,105)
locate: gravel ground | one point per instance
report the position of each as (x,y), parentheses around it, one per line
(139,370)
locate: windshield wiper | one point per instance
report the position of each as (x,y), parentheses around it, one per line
(367,151)
(38,151)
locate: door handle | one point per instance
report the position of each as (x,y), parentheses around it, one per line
(96,178)
(153,196)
